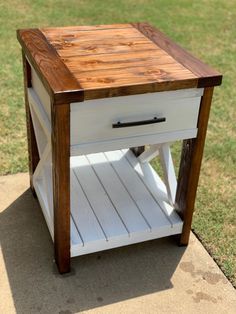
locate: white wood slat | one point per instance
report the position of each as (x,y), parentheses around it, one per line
(147,204)
(38,170)
(140,237)
(152,181)
(83,214)
(126,207)
(104,210)
(75,239)
(169,171)
(86,249)
(40,191)
(48,184)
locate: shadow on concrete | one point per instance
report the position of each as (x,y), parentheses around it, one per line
(96,280)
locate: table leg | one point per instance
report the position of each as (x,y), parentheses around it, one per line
(32,144)
(61,184)
(190,165)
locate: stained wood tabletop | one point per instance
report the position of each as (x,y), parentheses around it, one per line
(88,62)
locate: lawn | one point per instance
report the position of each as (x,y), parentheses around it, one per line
(205,27)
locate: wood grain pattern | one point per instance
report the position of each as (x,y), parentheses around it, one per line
(57,79)
(111,60)
(190,166)
(135,89)
(108,61)
(135,74)
(103,47)
(33,153)
(61,184)
(76,36)
(143,81)
(69,29)
(206,75)
(118,61)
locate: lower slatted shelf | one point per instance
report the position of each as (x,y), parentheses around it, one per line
(116,201)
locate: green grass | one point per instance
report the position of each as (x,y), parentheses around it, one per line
(205,27)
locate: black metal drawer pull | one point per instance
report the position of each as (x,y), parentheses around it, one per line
(135,123)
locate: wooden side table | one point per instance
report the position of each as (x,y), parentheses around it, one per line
(93,92)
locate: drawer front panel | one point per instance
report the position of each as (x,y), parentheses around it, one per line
(100,120)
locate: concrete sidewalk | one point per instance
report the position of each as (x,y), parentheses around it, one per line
(151,277)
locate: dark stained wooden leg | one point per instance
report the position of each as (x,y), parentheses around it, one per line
(61,184)
(32,144)
(190,165)
(138,150)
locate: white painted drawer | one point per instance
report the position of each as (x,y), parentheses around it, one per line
(92,121)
